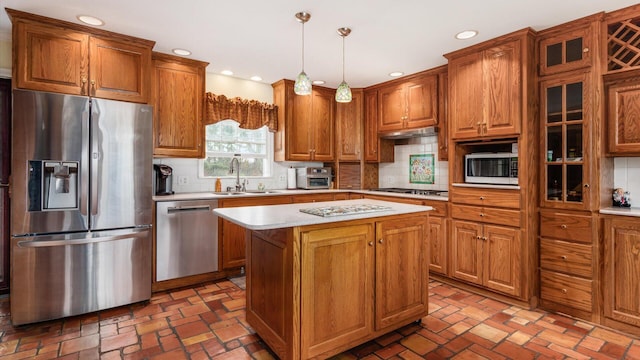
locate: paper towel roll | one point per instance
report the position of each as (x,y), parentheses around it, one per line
(291,178)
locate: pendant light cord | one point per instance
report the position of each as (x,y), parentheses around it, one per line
(303,47)
(343,58)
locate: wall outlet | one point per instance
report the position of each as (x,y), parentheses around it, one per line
(183,180)
(282,178)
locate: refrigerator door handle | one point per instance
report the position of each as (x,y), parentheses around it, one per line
(84,165)
(95,156)
(51,243)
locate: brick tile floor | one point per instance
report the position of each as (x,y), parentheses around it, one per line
(208,322)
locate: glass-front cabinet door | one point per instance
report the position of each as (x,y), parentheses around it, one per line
(565,119)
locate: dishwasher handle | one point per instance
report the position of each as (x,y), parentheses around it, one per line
(175,209)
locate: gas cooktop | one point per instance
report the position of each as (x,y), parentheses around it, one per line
(413,191)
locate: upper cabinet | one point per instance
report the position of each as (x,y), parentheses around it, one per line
(486,83)
(375,148)
(622,91)
(349,132)
(178,86)
(569,46)
(57,56)
(409,104)
(305,124)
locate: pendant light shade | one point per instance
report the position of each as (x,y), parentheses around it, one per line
(302,85)
(343,93)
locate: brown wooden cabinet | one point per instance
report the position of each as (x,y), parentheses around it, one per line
(566,262)
(375,148)
(566,147)
(305,124)
(57,56)
(569,46)
(178,86)
(232,236)
(410,104)
(349,128)
(621,278)
(622,91)
(486,85)
(335,286)
(486,239)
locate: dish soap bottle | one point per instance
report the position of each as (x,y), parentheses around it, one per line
(218,185)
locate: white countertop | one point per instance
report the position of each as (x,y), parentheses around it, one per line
(289,215)
(621,211)
(280,192)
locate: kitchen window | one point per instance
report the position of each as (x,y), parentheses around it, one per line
(225,139)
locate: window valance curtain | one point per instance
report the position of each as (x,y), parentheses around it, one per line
(251,114)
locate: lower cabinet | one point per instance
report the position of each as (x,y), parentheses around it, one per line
(232,236)
(566,263)
(486,255)
(621,280)
(336,285)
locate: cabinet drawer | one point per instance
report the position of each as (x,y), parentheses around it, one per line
(570,258)
(564,289)
(486,197)
(486,215)
(566,226)
(439,207)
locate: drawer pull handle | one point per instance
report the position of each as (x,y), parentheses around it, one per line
(564,291)
(563,226)
(563,257)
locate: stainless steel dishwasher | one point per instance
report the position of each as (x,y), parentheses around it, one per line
(186,238)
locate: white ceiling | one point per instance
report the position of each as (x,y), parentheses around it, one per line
(258,37)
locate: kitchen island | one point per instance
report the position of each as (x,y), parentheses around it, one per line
(327,276)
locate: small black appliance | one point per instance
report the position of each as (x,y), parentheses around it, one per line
(163,182)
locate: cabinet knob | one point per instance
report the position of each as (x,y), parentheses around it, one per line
(370,243)
(586,186)
(478,237)
(381,241)
(563,226)
(484,238)
(481,215)
(564,291)
(585,50)
(481,197)
(563,257)
(84,80)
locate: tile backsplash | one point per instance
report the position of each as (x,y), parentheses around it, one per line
(187,170)
(626,175)
(396,174)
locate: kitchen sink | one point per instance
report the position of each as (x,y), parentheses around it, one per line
(262,192)
(229,193)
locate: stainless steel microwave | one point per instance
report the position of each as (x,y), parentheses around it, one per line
(491,168)
(313,177)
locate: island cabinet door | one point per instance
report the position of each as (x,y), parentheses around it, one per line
(337,288)
(401,271)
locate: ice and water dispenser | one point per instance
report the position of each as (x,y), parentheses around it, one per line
(53,185)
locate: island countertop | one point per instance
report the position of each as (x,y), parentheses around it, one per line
(289,215)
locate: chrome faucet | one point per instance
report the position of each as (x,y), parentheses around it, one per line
(237,171)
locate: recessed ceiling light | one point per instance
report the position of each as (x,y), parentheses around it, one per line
(467,34)
(181,52)
(226,72)
(318,82)
(396,73)
(256,78)
(90,20)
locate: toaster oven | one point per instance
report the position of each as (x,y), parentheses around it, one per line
(313,178)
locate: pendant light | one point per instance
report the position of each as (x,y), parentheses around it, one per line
(302,85)
(343,93)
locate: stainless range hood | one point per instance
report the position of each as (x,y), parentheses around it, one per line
(412,133)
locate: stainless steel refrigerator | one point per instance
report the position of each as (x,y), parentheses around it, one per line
(81,200)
